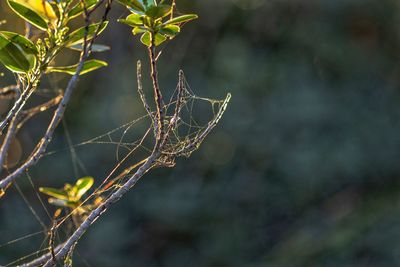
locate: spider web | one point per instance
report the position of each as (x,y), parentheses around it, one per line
(186,128)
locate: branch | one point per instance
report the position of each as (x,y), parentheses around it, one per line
(149,163)
(159,127)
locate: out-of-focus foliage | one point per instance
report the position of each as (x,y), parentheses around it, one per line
(303,170)
(70,199)
(69,195)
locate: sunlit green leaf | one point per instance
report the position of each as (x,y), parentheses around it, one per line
(146,39)
(181,19)
(78,8)
(59,194)
(160,39)
(77,37)
(12,57)
(43,8)
(28,14)
(170,30)
(133,20)
(26,45)
(138,30)
(88,66)
(83,185)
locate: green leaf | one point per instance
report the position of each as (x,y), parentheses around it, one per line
(12,57)
(95,47)
(43,8)
(29,15)
(88,66)
(134,4)
(146,39)
(26,45)
(170,30)
(133,20)
(83,185)
(181,19)
(77,37)
(160,11)
(59,194)
(78,8)
(160,39)
(138,30)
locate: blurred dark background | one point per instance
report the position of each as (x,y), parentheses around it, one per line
(302,170)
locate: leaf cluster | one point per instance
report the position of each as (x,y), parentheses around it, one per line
(154,21)
(70,196)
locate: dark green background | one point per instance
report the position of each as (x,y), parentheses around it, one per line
(303,169)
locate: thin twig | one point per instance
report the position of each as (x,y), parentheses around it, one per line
(159,127)
(140,90)
(11,131)
(7,142)
(178,105)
